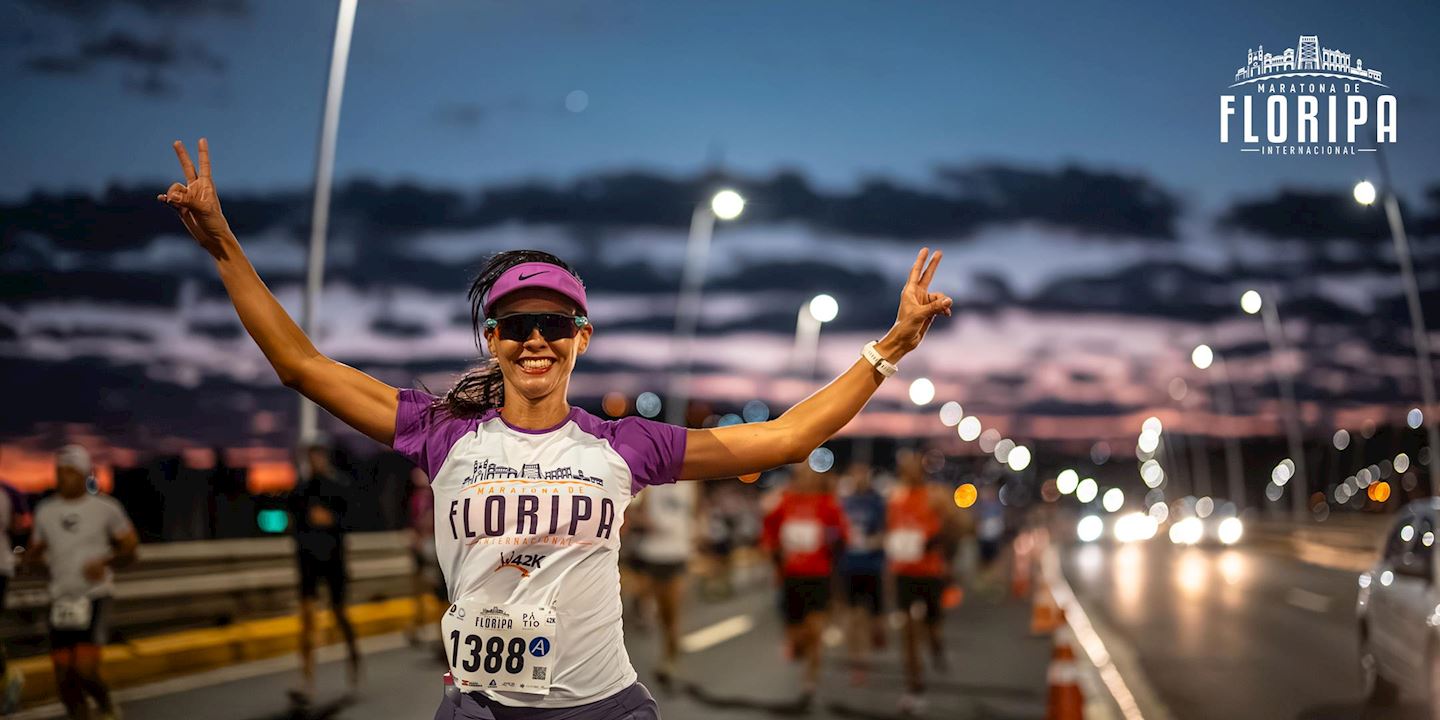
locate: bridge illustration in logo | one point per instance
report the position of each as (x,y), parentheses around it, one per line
(1306,59)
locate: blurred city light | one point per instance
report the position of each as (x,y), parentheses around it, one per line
(1090,528)
(951,413)
(1379,492)
(1342,439)
(1178,389)
(1407,533)
(1160,512)
(1202,356)
(648,404)
(1402,463)
(1250,302)
(922,391)
(1204,506)
(1386,578)
(1148,442)
(1100,452)
(1415,418)
(1231,529)
(1187,531)
(755,411)
(1134,527)
(1151,473)
(727,204)
(1364,192)
(1282,472)
(1086,490)
(1152,425)
(1003,448)
(1114,500)
(1273,492)
(989,439)
(614,404)
(824,308)
(1019,458)
(822,459)
(272,520)
(1066,481)
(729,419)
(969,428)
(965,495)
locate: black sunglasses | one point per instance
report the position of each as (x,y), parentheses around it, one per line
(552,326)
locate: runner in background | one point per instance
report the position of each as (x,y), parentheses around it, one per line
(317,506)
(665,527)
(804,533)
(718,532)
(919,525)
(861,568)
(81,536)
(425,575)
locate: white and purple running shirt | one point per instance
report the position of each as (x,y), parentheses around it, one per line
(523,516)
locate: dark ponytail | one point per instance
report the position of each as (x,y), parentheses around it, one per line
(482,388)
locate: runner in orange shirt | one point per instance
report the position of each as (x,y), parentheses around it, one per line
(918,526)
(804,533)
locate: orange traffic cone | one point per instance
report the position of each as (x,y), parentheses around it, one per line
(1044,613)
(1066,701)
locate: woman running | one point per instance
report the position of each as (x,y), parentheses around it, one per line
(530,491)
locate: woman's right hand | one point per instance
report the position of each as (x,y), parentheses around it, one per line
(197,203)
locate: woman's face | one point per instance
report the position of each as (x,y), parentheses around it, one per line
(536,368)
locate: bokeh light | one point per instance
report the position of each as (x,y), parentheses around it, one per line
(1414,418)
(1250,302)
(1090,528)
(951,413)
(1003,448)
(1364,192)
(922,391)
(1402,463)
(1066,481)
(969,428)
(1114,499)
(824,308)
(1148,442)
(1342,439)
(822,459)
(755,411)
(615,404)
(1379,492)
(1086,490)
(1019,458)
(1152,425)
(648,404)
(1202,356)
(989,439)
(965,495)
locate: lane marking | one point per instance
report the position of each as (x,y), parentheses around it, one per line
(712,635)
(1306,600)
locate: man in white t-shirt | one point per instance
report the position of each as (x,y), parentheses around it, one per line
(80,535)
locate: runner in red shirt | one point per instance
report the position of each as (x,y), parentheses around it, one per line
(918,527)
(803,534)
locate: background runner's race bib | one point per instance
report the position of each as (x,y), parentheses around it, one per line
(500,647)
(801,536)
(905,546)
(70,613)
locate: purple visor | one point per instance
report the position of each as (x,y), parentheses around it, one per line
(537,275)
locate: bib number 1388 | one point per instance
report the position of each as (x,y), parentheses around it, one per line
(474,653)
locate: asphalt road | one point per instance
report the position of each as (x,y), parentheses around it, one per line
(997,671)
(1229,633)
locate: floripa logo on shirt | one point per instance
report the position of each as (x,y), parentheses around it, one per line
(1307,100)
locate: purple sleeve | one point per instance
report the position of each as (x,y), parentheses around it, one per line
(653,450)
(424,436)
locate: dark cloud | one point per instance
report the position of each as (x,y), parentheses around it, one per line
(1089,201)
(1065,408)
(149,62)
(228,330)
(88,10)
(1308,215)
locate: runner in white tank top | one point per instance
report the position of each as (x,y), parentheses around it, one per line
(529,491)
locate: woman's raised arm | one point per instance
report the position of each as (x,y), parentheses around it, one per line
(360,401)
(752,447)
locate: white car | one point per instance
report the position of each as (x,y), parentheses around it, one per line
(1399,611)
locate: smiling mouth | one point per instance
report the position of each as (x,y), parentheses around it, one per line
(535,366)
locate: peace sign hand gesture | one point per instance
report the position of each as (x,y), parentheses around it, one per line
(197,203)
(918,306)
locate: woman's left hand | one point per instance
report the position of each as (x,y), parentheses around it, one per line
(918,307)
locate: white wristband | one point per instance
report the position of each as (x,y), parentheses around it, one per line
(872,356)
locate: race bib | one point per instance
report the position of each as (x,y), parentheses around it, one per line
(801,536)
(70,613)
(906,546)
(507,648)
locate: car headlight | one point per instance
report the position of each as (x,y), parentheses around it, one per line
(1231,529)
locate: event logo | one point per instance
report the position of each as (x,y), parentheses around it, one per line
(1307,100)
(524,562)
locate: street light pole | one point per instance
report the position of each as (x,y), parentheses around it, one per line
(727,205)
(1203,357)
(813,314)
(1275,333)
(320,212)
(1421,340)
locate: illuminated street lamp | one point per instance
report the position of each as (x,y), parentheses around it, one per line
(1365,194)
(922,391)
(818,311)
(723,205)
